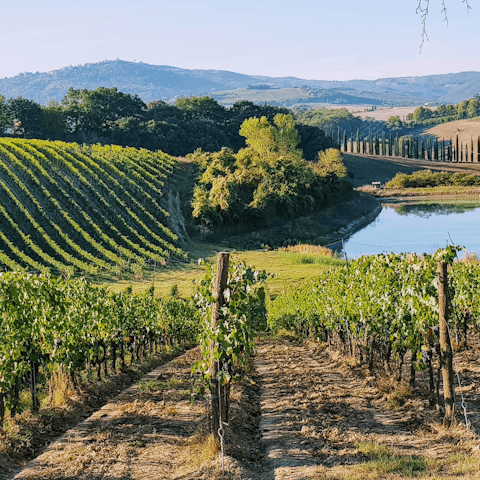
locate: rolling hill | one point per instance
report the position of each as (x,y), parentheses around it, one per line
(74,209)
(155,82)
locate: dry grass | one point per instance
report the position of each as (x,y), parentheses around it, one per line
(201,452)
(465,129)
(308,250)
(60,388)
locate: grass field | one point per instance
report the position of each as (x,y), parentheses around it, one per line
(289,268)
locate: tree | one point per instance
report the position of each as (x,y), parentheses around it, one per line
(462,109)
(96,111)
(201,108)
(421,114)
(26,117)
(5,120)
(53,121)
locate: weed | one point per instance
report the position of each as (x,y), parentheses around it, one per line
(156,385)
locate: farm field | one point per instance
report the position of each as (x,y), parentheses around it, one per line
(303,412)
(465,129)
(76,210)
(318,400)
(379,114)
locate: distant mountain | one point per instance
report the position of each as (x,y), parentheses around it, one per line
(160,82)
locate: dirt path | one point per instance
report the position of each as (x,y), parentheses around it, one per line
(302,413)
(136,436)
(319,417)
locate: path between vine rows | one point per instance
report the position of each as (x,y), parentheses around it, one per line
(300,415)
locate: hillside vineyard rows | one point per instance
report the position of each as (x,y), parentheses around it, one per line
(70,209)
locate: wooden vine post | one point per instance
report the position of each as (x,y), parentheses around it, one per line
(219,393)
(446,357)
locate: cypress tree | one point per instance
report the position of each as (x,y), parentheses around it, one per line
(410,147)
(390,146)
(443,150)
(377,145)
(345,141)
(471,149)
(357,141)
(396,146)
(351,143)
(436,150)
(449,152)
(429,149)
(384,143)
(478,149)
(364,145)
(339,140)
(466,151)
(370,143)
(457,151)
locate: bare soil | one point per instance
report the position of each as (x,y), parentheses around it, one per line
(303,412)
(317,411)
(27,435)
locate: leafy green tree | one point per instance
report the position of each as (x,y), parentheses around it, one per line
(462,109)
(421,114)
(53,121)
(473,108)
(201,108)
(394,122)
(265,180)
(26,117)
(96,111)
(5,120)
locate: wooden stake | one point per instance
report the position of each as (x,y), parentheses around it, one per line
(446,358)
(220,393)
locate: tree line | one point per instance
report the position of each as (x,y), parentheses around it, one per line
(408,146)
(106,115)
(446,113)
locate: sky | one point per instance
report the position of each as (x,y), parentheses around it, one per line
(310,39)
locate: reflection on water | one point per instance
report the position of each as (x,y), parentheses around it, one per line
(419,228)
(425,210)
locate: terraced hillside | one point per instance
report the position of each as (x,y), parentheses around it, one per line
(71,209)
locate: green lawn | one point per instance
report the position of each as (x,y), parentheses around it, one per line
(289,269)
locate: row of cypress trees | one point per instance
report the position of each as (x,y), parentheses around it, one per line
(409,146)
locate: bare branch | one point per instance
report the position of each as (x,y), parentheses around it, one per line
(424,14)
(444,11)
(423,11)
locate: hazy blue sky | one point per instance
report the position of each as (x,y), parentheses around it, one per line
(314,39)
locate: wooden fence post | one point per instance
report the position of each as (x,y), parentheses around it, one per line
(446,358)
(219,393)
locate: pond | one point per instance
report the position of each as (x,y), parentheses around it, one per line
(418,228)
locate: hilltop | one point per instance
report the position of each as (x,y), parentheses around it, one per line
(156,82)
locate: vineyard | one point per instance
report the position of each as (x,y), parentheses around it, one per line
(384,309)
(74,210)
(49,324)
(386,316)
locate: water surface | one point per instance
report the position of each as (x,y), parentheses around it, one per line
(418,228)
